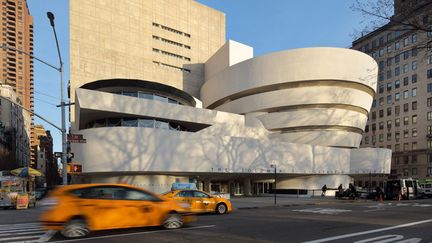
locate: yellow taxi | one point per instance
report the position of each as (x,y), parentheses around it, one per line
(76,210)
(200,202)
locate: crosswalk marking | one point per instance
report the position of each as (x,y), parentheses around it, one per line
(323,210)
(24,232)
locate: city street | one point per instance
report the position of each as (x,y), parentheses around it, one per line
(332,221)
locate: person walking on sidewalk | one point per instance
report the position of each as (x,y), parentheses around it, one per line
(324,189)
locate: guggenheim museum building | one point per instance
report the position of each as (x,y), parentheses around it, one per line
(161,97)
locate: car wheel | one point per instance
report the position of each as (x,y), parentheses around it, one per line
(173,221)
(75,228)
(221,208)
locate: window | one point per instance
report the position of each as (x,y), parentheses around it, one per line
(389,49)
(405,94)
(389,61)
(374,103)
(381,101)
(397,58)
(429,88)
(381,126)
(188,194)
(414,78)
(381,113)
(381,52)
(373,115)
(429,73)
(373,139)
(414,105)
(389,99)
(389,111)
(397,45)
(414,65)
(200,194)
(397,110)
(406,120)
(405,146)
(406,55)
(397,71)
(414,145)
(389,86)
(414,92)
(429,129)
(429,102)
(381,137)
(406,133)
(397,137)
(381,88)
(397,149)
(381,65)
(389,74)
(429,116)
(397,96)
(367,128)
(405,81)
(397,122)
(373,127)
(389,124)
(389,37)
(366,140)
(405,68)
(414,52)
(397,84)
(414,132)
(414,38)
(414,171)
(406,107)
(429,59)
(381,76)
(406,41)
(414,119)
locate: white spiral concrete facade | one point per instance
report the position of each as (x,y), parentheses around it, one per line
(303,111)
(318,96)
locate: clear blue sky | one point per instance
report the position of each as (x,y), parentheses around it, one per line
(267,26)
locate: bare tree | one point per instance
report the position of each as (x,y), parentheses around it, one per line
(396,15)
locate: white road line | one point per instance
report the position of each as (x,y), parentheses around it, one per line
(29,237)
(34,223)
(137,233)
(22,233)
(47,236)
(18,229)
(369,232)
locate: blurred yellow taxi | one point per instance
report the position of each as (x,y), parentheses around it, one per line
(76,210)
(200,202)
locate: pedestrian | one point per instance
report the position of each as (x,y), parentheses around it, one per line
(340,191)
(324,189)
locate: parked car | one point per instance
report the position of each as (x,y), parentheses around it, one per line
(201,202)
(76,210)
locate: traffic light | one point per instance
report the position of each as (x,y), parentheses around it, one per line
(74,168)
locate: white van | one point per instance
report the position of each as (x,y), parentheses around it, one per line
(407,188)
(427,189)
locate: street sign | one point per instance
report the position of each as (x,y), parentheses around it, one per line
(76,138)
(70,155)
(57,154)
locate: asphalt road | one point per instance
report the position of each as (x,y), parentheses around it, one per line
(361,222)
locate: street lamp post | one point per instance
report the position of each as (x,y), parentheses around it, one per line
(62,102)
(274,188)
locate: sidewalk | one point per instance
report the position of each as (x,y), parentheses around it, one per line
(284,201)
